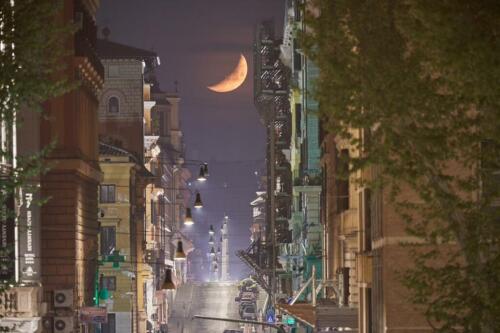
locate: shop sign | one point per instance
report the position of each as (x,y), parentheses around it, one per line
(94,315)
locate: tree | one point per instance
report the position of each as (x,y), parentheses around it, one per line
(420,78)
(32,44)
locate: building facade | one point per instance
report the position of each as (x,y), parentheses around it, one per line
(117,269)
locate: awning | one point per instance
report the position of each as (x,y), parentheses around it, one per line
(302,312)
(323,315)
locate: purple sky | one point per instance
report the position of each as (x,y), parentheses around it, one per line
(199,42)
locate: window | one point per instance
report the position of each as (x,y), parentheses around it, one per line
(297,57)
(107,193)
(108,282)
(154,212)
(158,122)
(343,181)
(298,119)
(110,326)
(113,105)
(369,310)
(108,240)
(367,212)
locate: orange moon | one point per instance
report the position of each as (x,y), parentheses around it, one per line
(233,80)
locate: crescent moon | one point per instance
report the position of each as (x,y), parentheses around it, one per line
(233,80)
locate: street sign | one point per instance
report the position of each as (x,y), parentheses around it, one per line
(270,315)
(94,315)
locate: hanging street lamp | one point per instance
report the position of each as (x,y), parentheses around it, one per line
(168,283)
(188,220)
(197,202)
(179,253)
(205,169)
(202,176)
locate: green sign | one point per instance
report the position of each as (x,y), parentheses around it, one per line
(288,320)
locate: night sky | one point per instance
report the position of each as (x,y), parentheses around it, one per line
(199,43)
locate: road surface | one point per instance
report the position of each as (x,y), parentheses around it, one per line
(215,299)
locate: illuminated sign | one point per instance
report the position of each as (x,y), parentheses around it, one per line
(29,235)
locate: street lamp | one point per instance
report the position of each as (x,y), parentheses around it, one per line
(168,283)
(188,220)
(205,169)
(202,176)
(179,253)
(197,202)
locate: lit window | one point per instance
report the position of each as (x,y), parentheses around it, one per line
(113,105)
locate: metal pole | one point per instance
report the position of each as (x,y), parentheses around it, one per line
(313,281)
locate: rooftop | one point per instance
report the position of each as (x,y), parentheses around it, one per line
(109,150)
(111,50)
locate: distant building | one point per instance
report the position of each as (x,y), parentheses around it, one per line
(225,250)
(136,115)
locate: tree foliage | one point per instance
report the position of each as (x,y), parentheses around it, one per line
(33,39)
(420,78)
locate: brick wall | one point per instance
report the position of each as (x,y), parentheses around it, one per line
(69,234)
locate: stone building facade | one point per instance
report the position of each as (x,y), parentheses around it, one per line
(69,225)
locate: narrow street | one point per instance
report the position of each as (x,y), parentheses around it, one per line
(208,299)
(249,166)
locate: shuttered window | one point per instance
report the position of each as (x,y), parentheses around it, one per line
(108,240)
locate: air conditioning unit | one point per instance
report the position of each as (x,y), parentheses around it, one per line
(63,325)
(48,324)
(63,298)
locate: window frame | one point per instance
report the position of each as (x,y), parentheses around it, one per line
(106,198)
(117,104)
(109,250)
(107,284)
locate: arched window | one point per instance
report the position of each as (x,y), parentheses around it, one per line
(113,105)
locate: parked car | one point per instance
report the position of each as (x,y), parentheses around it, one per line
(245,304)
(248,312)
(232,331)
(245,296)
